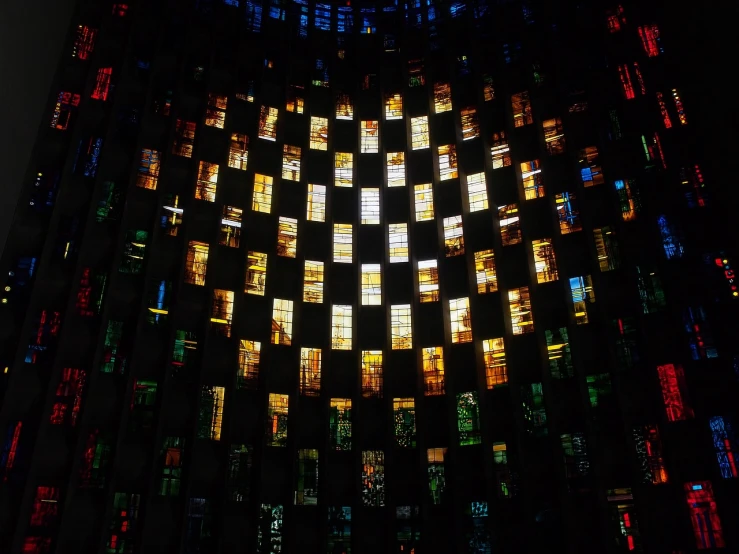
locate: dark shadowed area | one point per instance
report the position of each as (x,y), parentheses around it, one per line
(31,36)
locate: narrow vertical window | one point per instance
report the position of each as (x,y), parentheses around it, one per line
(196,263)
(437,482)
(401,328)
(256,273)
(210,412)
(522,319)
(521,106)
(628,198)
(396,169)
(313,282)
(84,42)
(372,374)
(268,123)
(238,151)
(404,422)
(148,172)
(316,205)
(510,224)
(184,139)
(373,478)
(559,353)
(318,133)
(590,171)
(68,397)
(500,151)
(534,411)
(343,243)
(651,293)
(306,489)
(282,321)
(428,280)
(277,418)
(453,236)
(262,197)
(606,248)
(724,442)
(341,327)
(704,515)
(460,320)
(442,97)
(369,137)
(447,162)
(477,192)
(102,84)
(398,242)
(700,336)
(370,198)
(340,423)
(663,111)
(291,163)
(470,123)
(649,454)
(215,112)
(287,237)
(393,106)
(496,371)
(568,213)
(487,280)
(343,169)
(295,100)
(679,107)
(554,136)
(626,84)
(230,232)
(433,370)
(671,243)
(582,295)
(488,88)
(533,187)
(419,132)
(269,524)
(171,461)
(249,355)
(468,419)
(423,196)
(544,261)
(371,285)
(649,35)
(576,461)
(221,314)
(344,107)
(672,383)
(207,182)
(310,371)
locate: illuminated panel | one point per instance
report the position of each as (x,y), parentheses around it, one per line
(496,371)
(522,318)
(623,517)
(704,515)
(207,183)
(310,371)
(649,453)
(663,111)
(672,382)
(679,107)
(433,370)
(460,320)
(724,442)
(649,35)
(532,182)
(625,76)
(372,374)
